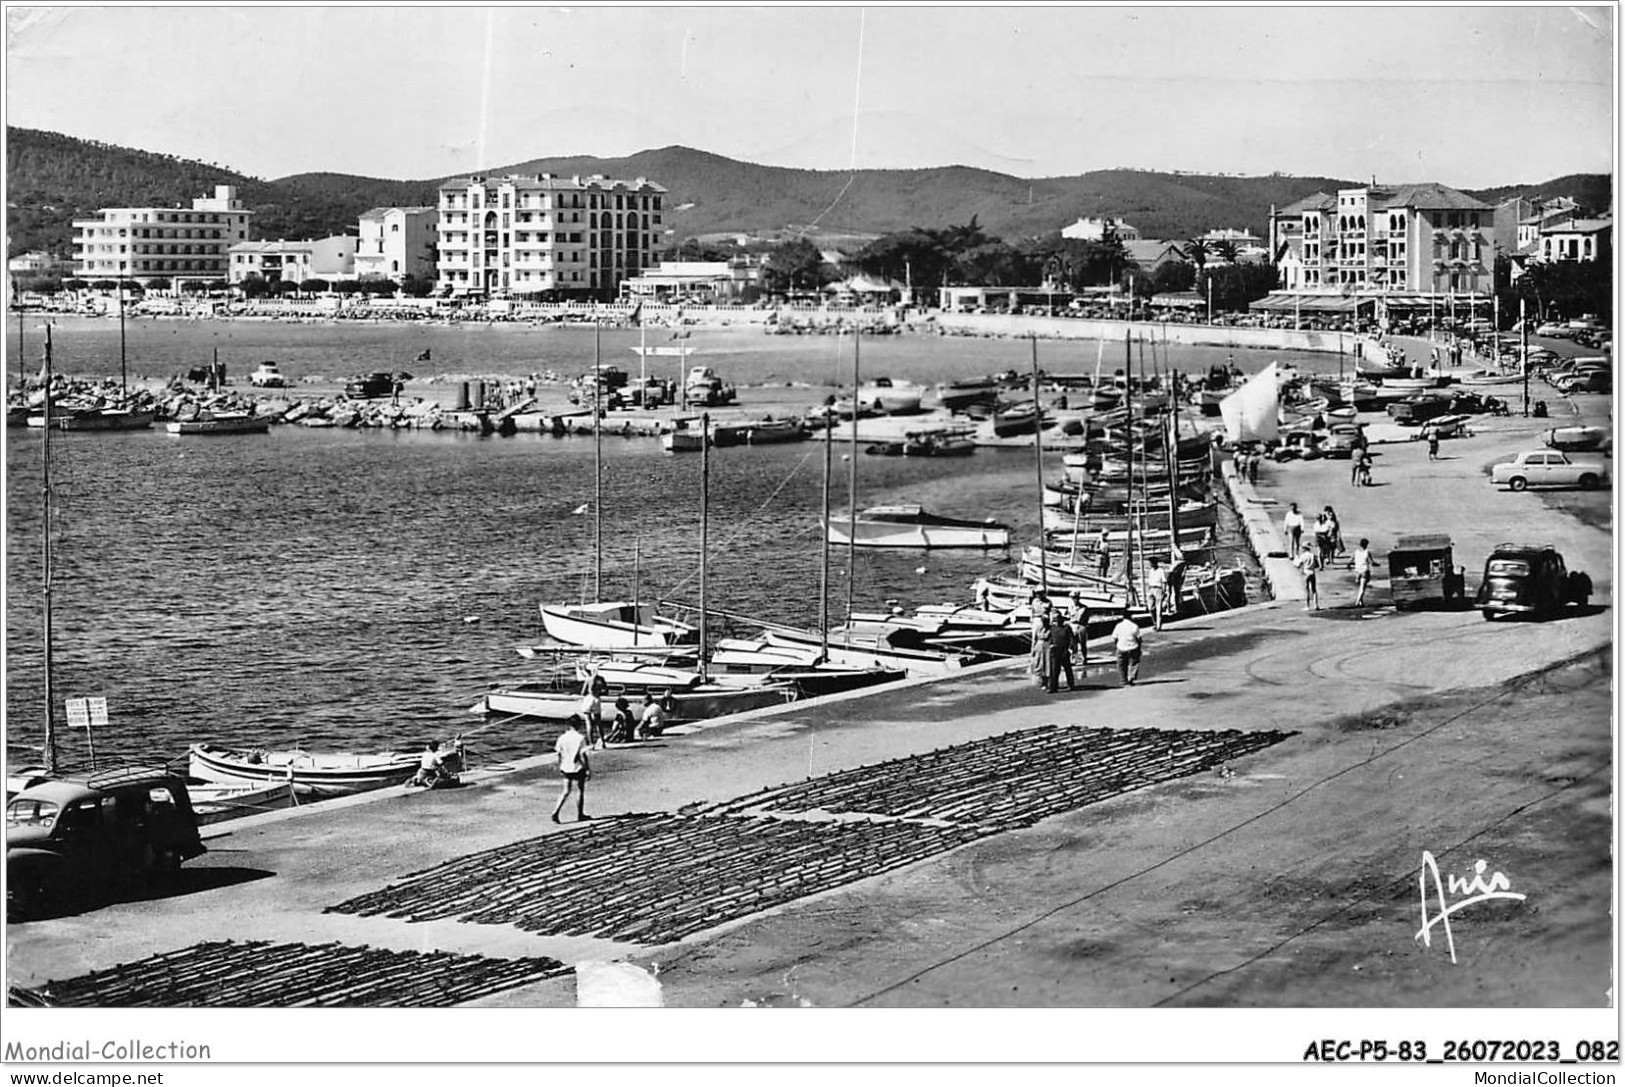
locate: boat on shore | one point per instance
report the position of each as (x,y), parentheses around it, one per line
(959,395)
(216,802)
(118,417)
(884,396)
(220,422)
(307,773)
(542,700)
(911,526)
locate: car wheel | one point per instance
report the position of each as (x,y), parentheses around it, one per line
(1588,482)
(1517,483)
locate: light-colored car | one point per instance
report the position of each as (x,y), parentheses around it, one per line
(1551,468)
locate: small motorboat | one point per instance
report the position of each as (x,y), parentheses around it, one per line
(617,624)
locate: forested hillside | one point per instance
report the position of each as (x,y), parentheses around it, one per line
(54,178)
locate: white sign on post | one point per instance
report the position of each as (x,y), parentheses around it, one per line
(78,713)
(98,712)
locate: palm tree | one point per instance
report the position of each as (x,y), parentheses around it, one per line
(1195,251)
(1226,251)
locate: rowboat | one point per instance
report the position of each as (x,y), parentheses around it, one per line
(217,802)
(614,624)
(911,526)
(1414,384)
(220,422)
(859,651)
(760,432)
(308,773)
(541,700)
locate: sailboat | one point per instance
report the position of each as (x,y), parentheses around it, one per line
(618,624)
(123,415)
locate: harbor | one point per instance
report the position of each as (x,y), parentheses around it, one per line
(1268,751)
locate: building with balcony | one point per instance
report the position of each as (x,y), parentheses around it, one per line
(1577,240)
(175,244)
(38,262)
(396,243)
(548,235)
(1396,246)
(295,262)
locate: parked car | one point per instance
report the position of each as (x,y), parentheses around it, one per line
(1578,439)
(367,386)
(1529,579)
(1554,330)
(1591,379)
(1342,439)
(268,376)
(1551,468)
(72,836)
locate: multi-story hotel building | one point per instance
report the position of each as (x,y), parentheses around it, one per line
(294,262)
(508,236)
(396,243)
(1399,242)
(176,244)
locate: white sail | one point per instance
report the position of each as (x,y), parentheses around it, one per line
(1252,412)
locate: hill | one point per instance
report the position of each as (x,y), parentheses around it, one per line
(54,178)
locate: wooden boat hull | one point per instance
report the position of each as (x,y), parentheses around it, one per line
(986,537)
(216,803)
(106,419)
(245,425)
(306,773)
(694,704)
(853,652)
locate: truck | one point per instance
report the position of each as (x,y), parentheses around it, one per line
(1551,468)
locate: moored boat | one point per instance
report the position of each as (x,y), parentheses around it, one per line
(614,624)
(309,773)
(911,526)
(958,395)
(220,422)
(215,802)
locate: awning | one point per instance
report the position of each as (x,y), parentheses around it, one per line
(1310,303)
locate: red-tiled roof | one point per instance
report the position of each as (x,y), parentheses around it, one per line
(1426,194)
(1315,202)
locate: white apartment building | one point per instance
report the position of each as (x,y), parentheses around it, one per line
(1390,240)
(176,244)
(294,262)
(1093,230)
(508,236)
(396,243)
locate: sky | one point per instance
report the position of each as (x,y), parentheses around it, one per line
(1472,96)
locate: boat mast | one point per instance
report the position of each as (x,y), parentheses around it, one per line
(1145,486)
(705,523)
(823,579)
(123,376)
(1172,458)
(597,462)
(1038,463)
(852,484)
(1128,431)
(45,488)
(637,578)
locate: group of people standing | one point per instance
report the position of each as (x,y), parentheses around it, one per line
(1061,641)
(585,732)
(1325,546)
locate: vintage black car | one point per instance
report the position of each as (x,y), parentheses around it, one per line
(1417,410)
(367,386)
(83,835)
(1529,579)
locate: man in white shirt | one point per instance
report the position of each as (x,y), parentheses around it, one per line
(1126,634)
(571,749)
(1362,571)
(592,712)
(1156,592)
(1293,523)
(652,718)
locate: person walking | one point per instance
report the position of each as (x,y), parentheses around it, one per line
(1362,571)
(1308,562)
(1365,469)
(1103,556)
(1433,443)
(1252,465)
(1337,533)
(1060,655)
(1293,524)
(1323,538)
(1156,592)
(571,749)
(1126,635)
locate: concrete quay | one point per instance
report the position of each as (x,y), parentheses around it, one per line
(1283,877)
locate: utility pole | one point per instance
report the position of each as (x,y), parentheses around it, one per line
(1523,327)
